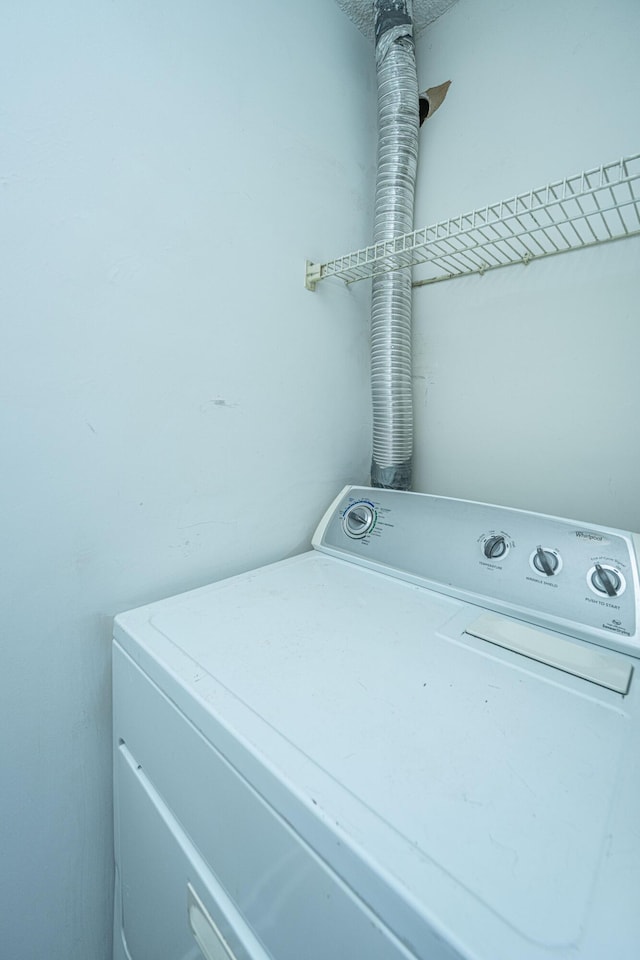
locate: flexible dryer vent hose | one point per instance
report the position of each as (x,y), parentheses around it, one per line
(398,124)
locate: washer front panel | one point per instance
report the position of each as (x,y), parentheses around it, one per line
(463,793)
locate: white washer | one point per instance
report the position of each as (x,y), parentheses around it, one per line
(418,740)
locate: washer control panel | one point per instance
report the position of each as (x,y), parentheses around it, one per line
(577,578)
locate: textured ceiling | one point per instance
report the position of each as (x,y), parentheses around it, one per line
(424,12)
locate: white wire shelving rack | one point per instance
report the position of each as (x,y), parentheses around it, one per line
(584,210)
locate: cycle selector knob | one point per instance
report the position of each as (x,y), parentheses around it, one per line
(606,580)
(495,547)
(358,520)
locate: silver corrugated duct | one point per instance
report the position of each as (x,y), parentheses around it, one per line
(398,123)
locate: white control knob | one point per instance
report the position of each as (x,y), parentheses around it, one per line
(606,580)
(546,561)
(358,519)
(495,547)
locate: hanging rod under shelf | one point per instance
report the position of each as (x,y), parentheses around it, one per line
(590,208)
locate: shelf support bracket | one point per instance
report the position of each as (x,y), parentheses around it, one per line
(312,274)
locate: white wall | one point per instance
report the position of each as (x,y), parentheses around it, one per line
(527,386)
(175,407)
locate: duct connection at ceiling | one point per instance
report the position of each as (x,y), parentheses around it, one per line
(398,125)
(424,12)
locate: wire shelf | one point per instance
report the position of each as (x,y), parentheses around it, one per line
(590,208)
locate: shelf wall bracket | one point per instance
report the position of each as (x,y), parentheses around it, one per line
(312,274)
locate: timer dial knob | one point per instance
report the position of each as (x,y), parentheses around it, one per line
(606,580)
(495,547)
(358,520)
